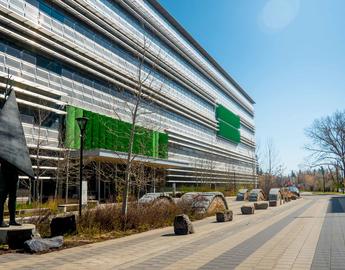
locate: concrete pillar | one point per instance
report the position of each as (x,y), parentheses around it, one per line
(174,188)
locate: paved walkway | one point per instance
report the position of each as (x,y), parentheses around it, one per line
(302,234)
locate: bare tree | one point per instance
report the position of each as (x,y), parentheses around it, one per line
(205,166)
(136,105)
(144,81)
(67,170)
(40,138)
(271,165)
(327,137)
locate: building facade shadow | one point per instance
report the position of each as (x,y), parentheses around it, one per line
(336,205)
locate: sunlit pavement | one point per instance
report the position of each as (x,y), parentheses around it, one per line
(303,234)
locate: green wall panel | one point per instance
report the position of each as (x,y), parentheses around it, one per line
(78,113)
(109,130)
(107,133)
(122,136)
(228,124)
(228,116)
(163,145)
(155,146)
(94,122)
(88,132)
(70,126)
(227,131)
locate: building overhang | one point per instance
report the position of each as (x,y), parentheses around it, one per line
(103,155)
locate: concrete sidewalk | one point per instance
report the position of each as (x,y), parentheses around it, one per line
(284,237)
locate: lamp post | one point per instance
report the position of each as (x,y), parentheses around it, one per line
(82,121)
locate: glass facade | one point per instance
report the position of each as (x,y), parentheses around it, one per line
(89,56)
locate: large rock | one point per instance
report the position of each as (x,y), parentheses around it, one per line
(224,216)
(183,225)
(43,244)
(261,206)
(63,225)
(247,210)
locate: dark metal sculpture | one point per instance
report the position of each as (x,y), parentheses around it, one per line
(14,155)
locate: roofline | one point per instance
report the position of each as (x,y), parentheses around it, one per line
(185,34)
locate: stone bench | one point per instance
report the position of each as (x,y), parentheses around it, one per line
(247,209)
(224,216)
(273,203)
(62,225)
(261,206)
(183,225)
(70,207)
(15,236)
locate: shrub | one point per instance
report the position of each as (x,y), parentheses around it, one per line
(107,219)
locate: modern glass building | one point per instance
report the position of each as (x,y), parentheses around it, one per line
(71,58)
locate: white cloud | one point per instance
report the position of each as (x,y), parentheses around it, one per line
(278,14)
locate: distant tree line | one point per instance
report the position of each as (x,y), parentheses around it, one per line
(327,149)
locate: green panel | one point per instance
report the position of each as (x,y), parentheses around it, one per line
(95,131)
(108,130)
(227,131)
(155,145)
(88,131)
(137,144)
(113,134)
(138,147)
(148,143)
(78,113)
(163,145)
(227,116)
(123,135)
(102,131)
(114,129)
(70,126)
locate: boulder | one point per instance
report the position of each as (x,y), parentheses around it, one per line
(247,209)
(261,206)
(38,244)
(183,225)
(62,225)
(224,216)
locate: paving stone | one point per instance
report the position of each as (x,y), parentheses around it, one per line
(152,250)
(331,247)
(245,249)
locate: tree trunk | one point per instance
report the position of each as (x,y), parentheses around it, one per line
(129,158)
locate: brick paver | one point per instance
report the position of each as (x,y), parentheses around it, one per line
(233,257)
(330,251)
(284,237)
(294,246)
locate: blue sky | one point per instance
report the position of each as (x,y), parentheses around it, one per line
(289,55)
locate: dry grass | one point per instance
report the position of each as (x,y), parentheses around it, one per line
(107,221)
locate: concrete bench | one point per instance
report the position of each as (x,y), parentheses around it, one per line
(247,209)
(71,207)
(261,206)
(15,236)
